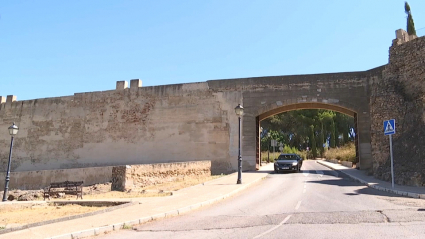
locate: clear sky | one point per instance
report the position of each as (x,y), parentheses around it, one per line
(57,48)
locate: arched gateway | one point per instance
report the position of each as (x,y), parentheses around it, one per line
(261,97)
(303,106)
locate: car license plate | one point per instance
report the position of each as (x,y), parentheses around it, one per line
(285,167)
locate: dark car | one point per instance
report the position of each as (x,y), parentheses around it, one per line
(288,162)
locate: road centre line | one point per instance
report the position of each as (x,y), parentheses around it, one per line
(274,228)
(298,205)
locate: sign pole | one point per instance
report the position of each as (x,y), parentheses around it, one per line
(389,129)
(392,161)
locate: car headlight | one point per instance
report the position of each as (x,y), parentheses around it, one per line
(294,164)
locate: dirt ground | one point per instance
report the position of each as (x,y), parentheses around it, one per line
(11,216)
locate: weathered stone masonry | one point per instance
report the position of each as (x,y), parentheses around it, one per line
(127,177)
(400,95)
(135,125)
(196,122)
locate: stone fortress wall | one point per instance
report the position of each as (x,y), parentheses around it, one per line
(172,123)
(196,121)
(125,126)
(400,96)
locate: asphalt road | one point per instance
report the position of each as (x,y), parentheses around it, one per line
(316,203)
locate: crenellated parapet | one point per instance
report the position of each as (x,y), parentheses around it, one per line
(122,85)
(7,101)
(402,37)
(11,98)
(135,83)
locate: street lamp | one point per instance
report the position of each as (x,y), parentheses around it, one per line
(239,113)
(13,130)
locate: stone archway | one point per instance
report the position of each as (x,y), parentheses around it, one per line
(347,92)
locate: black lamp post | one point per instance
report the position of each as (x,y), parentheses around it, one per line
(239,113)
(13,130)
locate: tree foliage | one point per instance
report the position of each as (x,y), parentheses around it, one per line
(321,142)
(313,141)
(297,128)
(410,24)
(333,135)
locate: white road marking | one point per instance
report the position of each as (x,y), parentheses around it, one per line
(306,173)
(304,190)
(298,205)
(320,172)
(274,228)
(305,186)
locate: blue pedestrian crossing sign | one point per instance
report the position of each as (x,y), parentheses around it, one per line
(389,127)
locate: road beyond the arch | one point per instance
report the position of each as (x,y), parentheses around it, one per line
(316,203)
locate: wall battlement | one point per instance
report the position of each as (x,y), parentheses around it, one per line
(402,37)
(9,99)
(121,86)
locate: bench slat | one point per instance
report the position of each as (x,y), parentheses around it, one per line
(69,186)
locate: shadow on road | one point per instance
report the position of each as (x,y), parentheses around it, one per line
(346,182)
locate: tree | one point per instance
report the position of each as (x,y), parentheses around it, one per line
(333,140)
(292,128)
(313,142)
(410,24)
(345,133)
(321,142)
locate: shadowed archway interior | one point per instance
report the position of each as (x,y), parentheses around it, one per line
(304,106)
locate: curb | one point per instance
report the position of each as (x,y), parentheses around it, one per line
(128,224)
(374,186)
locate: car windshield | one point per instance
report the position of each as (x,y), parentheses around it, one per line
(287,157)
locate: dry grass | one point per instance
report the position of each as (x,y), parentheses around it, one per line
(10,216)
(38,213)
(159,190)
(345,153)
(273,156)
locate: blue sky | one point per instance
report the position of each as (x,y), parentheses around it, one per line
(58,48)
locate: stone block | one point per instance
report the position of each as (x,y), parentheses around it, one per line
(11,98)
(121,85)
(136,83)
(2,99)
